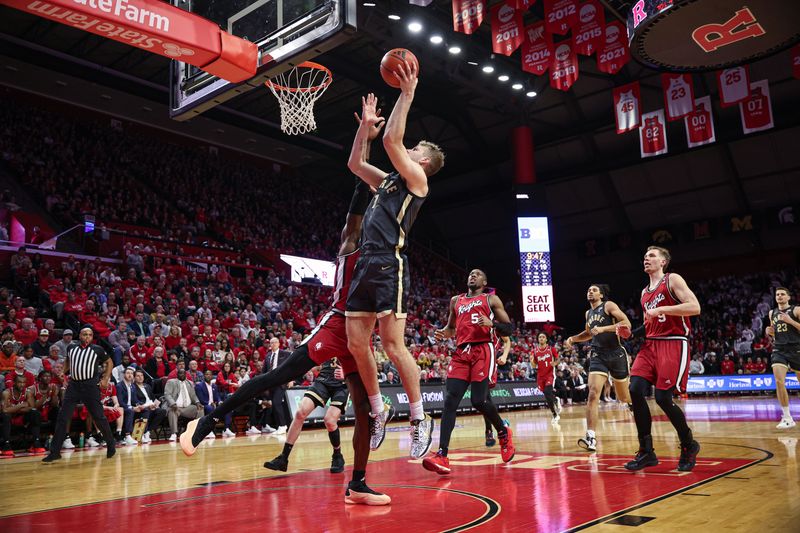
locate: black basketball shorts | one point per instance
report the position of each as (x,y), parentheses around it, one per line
(320,393)
(613,361)
(380,286)
(787,355)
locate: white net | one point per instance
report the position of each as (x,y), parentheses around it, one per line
(297,90)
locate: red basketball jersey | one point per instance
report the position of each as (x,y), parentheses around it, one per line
(345,264)
(545,360)
(14,400)
(107,393)
(663,325)
(468,312)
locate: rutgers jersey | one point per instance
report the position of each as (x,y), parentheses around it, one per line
(756,114)
(663,325)
(699,126)
(628,111)
(468,312)
(545,361)
(345,264)
(653,137)
(106,394)
(679,97)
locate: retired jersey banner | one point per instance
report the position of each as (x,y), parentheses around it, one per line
(564,67)
(628,107)
(589,32)
(734,85)
(468,15)
(653,134)
(560,15)
(700,124)
(678,95)
(506,28)
(796,61)
(614,53)
(756,111)
(537,49)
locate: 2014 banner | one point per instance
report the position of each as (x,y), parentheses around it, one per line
(653,134)
(756,110)
(468,15)
(506,28)
(628,107)
(678,95)
(537,49)
(700,123)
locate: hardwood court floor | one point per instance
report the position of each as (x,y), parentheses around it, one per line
(746,479)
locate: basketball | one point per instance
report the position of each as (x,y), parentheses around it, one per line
(390,62)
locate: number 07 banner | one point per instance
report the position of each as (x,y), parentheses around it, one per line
(756,111)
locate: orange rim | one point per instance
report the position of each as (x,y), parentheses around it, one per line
(313,88)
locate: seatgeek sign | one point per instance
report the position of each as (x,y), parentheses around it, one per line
(736,383)
(156,27)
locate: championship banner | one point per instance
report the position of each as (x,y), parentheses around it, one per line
(468,15)
(589,32)
(537,49)
(564,67)
(700,124)
(678,95)
(653,134)
(509,394)
(614,53)
(628,107)
(734,85)
(796,61)
(756,111)
(560,15)
(506,28)
(524,5)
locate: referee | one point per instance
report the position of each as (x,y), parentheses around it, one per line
(82,361)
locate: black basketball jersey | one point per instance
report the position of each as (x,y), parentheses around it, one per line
(784,333)
(325,375)
(389,217)
(598,317)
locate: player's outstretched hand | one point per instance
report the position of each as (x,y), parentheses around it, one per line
(442,334)
(374,129)
(369,110)
(406,73)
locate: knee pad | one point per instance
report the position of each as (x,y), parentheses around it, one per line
(639,387)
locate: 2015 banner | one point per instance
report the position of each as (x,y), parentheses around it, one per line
(468,15)
(564,68)
(653,134)
(734,85)
(756,110)
(614,53)
(589,33)
(537,49)
(700,124)
(628,107)
(678,95)
(506,28)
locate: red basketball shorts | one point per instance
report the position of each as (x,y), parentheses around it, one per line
(329,340)
(664,362)
(545,379)
(473,362)
(111,413)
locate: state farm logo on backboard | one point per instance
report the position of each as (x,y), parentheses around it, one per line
(506,13)
(174,51)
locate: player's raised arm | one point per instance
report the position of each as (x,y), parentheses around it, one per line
(370,123)
(410,170)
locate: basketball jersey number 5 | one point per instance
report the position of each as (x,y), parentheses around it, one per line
(475,318)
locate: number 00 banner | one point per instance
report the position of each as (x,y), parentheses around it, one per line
(700,123)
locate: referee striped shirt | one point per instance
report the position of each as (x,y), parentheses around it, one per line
(84,360)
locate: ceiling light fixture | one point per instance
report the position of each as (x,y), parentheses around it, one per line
(502,77)
(454,50)
(517,86)
(394,17)
(414,27)
(437,39)
(530,94)
(488,69)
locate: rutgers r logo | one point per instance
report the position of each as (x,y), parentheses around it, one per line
(743,25)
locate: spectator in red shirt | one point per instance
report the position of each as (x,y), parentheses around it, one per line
(19,370)
(727,367)
(750,367)
(227,382)
(760,365)
(26,334)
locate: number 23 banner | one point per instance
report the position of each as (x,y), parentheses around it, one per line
(678,95)
(652,134)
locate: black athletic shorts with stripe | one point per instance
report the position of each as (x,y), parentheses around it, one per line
(320,393)
(787,355)
(612,361)
(380,286)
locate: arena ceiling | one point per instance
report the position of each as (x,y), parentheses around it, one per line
(594,180)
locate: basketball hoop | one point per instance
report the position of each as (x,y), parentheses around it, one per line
(296,90)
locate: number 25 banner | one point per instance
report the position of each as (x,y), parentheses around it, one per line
(506,28)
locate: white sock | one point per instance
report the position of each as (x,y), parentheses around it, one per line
(416,411)
(786,413)
(375,404)
(590,433)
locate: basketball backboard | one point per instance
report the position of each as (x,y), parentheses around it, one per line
(287,33)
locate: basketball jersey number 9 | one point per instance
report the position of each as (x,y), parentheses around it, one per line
(662,317)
